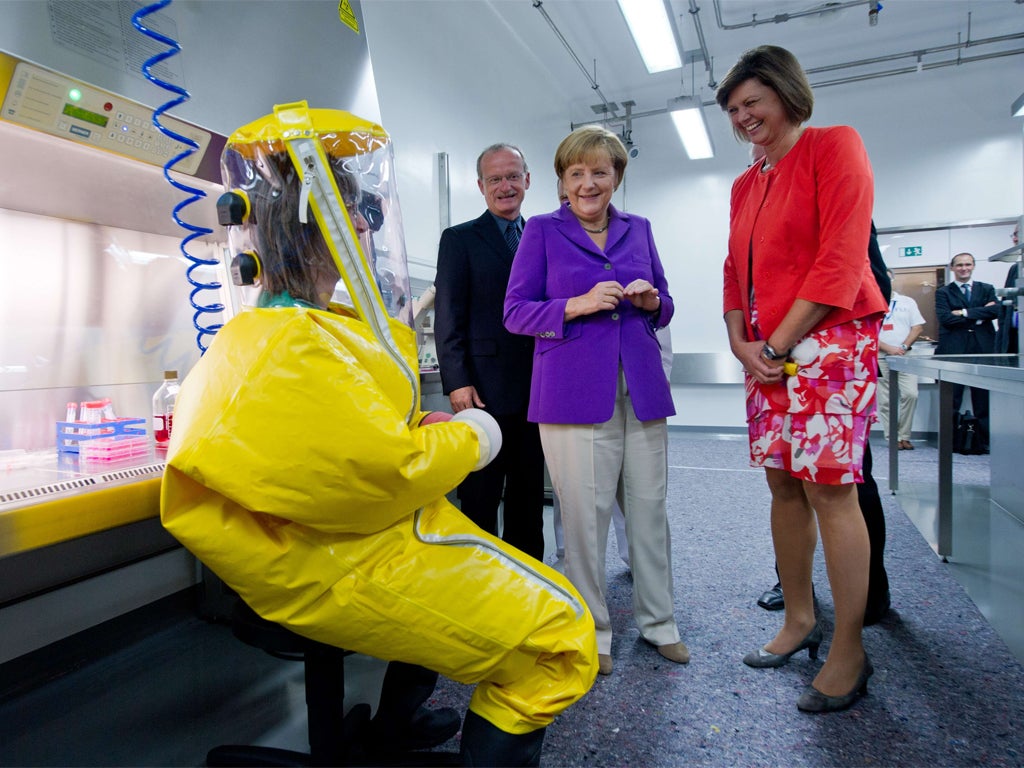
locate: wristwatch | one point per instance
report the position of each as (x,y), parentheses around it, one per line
(904,347)
(768,353)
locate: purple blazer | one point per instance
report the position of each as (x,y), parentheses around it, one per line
(576,364)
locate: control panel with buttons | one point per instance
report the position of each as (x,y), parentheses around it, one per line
(53,103)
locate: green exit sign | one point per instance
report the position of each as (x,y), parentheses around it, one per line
(912,250)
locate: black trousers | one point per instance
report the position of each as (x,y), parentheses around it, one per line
(979,397)
(405,689)
(517,476)
(874,518)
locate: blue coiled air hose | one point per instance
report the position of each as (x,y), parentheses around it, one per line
(195,262)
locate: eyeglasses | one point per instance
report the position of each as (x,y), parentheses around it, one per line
(511,178)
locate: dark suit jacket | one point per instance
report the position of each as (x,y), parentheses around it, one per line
(962,335)
(473,347)
(1011,275)
(878,268)
(1006,336)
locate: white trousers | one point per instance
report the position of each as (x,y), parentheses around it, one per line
(908,400)
(618,524)
(592,466)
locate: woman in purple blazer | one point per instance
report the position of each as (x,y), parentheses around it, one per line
(588,285)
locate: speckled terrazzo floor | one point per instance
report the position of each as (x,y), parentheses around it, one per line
(946,690)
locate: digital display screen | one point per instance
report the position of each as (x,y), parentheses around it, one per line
(83,114)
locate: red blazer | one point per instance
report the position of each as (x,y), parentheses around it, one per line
(801,230)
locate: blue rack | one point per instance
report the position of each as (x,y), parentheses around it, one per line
(71,433)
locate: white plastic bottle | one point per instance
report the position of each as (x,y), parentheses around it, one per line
(163,408)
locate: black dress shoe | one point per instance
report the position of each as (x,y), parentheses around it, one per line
(772,600)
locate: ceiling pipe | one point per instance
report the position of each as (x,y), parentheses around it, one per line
(958,46)
(958,61)
(918,54)
(781,18)
(704,51)
(611,107)
(608,105)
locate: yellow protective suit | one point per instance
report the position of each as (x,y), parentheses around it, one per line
(294,476)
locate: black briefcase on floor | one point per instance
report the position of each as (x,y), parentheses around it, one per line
(966,437)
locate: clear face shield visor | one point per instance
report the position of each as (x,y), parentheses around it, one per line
(312,202)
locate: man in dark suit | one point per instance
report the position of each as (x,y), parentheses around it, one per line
(1009,319)
(1007,338)
(482,364)
(965,309)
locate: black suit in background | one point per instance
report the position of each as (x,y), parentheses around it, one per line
(867,491)
(1007,335)
(474,349)
(960,335)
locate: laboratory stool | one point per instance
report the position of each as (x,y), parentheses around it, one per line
(330,733)
(334,738)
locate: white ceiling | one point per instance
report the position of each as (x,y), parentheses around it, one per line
(595,35)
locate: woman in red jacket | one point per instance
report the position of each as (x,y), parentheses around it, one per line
(802,313)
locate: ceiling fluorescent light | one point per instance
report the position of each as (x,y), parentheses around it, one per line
(688,115)
(651,28)
(1017,108)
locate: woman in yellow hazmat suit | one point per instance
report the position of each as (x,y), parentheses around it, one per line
(303,473)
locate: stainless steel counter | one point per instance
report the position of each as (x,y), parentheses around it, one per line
(1003,377)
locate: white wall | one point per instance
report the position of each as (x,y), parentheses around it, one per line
(445,92)
(942,143)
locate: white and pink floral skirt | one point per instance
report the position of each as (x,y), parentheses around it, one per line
(814,424)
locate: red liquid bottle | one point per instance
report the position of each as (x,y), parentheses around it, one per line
(163,408)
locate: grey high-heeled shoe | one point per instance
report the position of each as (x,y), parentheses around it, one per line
(761,658)
(813,700)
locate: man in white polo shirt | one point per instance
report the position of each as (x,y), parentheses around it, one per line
(901,326)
